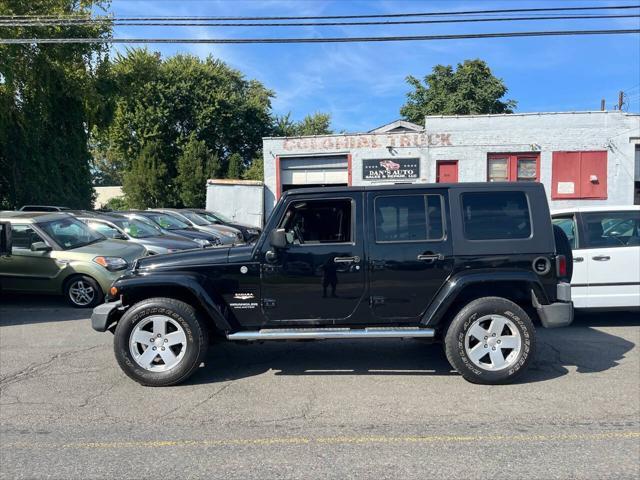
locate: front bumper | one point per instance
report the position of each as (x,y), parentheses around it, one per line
(557,314)
(101,314)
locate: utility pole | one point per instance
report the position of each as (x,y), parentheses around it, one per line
(602,104)
(620,99)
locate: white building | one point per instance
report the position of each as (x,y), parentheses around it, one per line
(581,157)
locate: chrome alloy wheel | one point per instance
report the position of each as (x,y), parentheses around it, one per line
(493,342)
(81,293)
(158,343)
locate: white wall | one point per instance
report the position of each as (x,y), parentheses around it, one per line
(241,201)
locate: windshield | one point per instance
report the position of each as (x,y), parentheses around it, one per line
(70,233)
(195,218)
(216,217)
(136,228)
(167,222)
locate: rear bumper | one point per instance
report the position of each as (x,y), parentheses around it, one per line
(557,314)
(101,314)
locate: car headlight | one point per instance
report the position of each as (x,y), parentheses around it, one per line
(253,231)
(202,242)
(111,263)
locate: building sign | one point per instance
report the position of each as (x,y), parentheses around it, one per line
(391,169)
(351,142)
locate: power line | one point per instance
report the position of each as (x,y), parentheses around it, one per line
(180,23)
(105,40)
(335,17)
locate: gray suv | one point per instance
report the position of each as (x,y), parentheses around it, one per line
(123,228)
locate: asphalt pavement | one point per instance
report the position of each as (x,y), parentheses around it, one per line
(332,409)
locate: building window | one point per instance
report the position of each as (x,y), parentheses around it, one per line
(579,175)
(513,167)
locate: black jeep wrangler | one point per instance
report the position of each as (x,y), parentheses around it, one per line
(466,264)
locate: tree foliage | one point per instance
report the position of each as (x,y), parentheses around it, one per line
(195,166)
(469,89)
(49,98)
(315,124)
(235,166)
(146,183)
(174,102)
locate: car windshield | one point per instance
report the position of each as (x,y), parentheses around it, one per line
(167,222)
(136,228)
(215,217)
(70,233)
(195,218)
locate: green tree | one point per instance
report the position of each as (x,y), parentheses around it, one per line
(255,171)
(146,183)
(195,165)
(169,100)
(235,166)
(49,99)
(469,89)
(314,124)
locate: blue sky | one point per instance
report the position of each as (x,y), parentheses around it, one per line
(362,85)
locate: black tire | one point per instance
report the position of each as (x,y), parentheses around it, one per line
(563,247)
(89,285)
(194,329)
(456,341)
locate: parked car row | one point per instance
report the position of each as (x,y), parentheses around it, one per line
(80,253)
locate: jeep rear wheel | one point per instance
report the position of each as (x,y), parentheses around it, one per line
(160,342)
(490,341)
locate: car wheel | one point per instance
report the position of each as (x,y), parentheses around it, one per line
(490,341)
(160,342)
(82,291)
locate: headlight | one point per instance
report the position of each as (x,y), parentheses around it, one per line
(111,263)
(253,231)
(202,242)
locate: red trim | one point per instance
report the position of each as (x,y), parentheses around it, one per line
(349,173)
(512,163)
(278,184)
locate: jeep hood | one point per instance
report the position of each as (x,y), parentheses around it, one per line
(192,258)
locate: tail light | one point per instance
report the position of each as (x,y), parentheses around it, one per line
(561,264)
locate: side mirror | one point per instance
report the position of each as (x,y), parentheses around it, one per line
(120,236)
(278,238)
(40,247)
(5,239)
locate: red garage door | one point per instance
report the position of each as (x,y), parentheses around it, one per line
(447,171)
(579,175)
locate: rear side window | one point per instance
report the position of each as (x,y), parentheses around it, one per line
(409,218)
(496,215)
(568,226)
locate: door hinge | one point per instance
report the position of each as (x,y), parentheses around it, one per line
(268,303)
(373,301)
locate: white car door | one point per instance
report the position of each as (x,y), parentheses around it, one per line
(580,278)
(612,257)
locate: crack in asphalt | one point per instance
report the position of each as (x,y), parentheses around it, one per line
(34,368)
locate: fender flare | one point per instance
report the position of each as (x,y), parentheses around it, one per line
(448,293)
(193,282)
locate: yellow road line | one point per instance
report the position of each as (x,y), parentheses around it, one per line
(364,440)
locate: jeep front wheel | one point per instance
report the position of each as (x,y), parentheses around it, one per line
(160,342)
(490,341)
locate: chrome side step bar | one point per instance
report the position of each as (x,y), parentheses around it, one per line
(331,333)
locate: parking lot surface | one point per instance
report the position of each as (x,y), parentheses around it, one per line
(334,409)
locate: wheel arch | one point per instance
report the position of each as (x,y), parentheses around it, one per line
(462,288)
(191,289)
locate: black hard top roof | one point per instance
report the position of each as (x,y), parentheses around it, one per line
(497,186)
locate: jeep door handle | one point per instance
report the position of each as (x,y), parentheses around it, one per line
(602,258)
(431,257)
(346,259)
(578,259)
